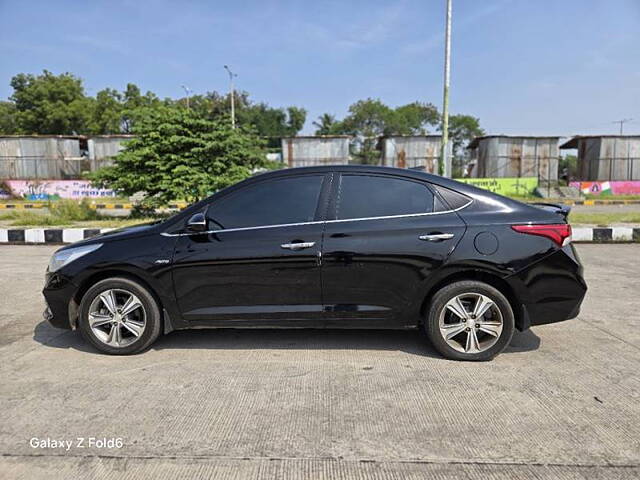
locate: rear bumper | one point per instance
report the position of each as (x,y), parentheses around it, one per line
(551,289)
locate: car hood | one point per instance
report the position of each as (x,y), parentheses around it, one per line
(118,234)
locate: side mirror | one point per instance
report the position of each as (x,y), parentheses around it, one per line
(197,223)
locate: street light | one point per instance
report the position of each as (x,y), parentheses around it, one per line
(445,100)
(188,91)
(233,109)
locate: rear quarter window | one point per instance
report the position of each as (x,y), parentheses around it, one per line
(454,200)
(369,196)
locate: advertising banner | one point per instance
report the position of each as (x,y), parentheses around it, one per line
(504,186)
(52,189)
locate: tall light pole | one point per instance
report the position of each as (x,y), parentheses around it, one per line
(445,100)
(188,91)
(233,108)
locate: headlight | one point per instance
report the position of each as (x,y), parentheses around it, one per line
(64,257)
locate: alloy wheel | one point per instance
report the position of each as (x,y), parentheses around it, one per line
(117,317)
(471,323)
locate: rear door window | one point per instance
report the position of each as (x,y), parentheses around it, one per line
(369,196)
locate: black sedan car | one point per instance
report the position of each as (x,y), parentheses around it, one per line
(327,247)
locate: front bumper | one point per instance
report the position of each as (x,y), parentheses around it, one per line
(551,289)
(47,315)
(59,293)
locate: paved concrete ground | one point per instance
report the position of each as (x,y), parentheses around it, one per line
(562,402)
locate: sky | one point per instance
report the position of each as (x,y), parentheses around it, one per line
(535,67)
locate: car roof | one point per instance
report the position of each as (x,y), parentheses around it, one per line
(354,168)
(404,172)
(460,187)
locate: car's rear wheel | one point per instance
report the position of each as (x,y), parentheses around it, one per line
(469,320)
(119,316)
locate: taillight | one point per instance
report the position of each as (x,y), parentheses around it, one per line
(560,233)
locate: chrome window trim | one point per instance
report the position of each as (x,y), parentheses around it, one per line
(317,222)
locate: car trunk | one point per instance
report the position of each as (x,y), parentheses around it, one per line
(561,210)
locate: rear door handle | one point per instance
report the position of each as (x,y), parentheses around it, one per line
(297,246)
(436,237)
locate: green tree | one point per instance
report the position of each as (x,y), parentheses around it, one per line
(132,102)
(412,119)
(107,112)
(115,112)
(272,122)
(8,120)
(177,155)
(568,166)
(266,120)
(462,129)
(213,104)
(50,104)
(296,117)
(369,119)
(326,124)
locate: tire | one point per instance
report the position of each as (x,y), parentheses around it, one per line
(136,311)
(470,336)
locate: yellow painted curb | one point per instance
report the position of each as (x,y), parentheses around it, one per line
(18,206)
(111,206)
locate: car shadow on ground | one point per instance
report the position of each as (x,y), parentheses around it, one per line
(409,341)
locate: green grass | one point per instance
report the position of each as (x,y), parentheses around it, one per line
(25,218)
(577,218)
(67,213)
(115,222)
(22,218)
(73,211)
(612,197)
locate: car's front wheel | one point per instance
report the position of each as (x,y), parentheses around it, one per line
(119,316)
(469,320)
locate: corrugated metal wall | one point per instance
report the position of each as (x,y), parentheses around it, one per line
(412,152)
(39,157)
(619,159)
(50,157)
(310,151)
(102,149)
(510,157)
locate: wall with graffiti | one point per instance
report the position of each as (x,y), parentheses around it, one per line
(52,189)
(613,187)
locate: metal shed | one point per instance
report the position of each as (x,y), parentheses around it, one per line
(55,157)
(607,157)
(496,156)
(39,156)
(316,150)
(101,149)
(411,151)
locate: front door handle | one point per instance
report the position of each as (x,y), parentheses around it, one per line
(436,237)
(298,245)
